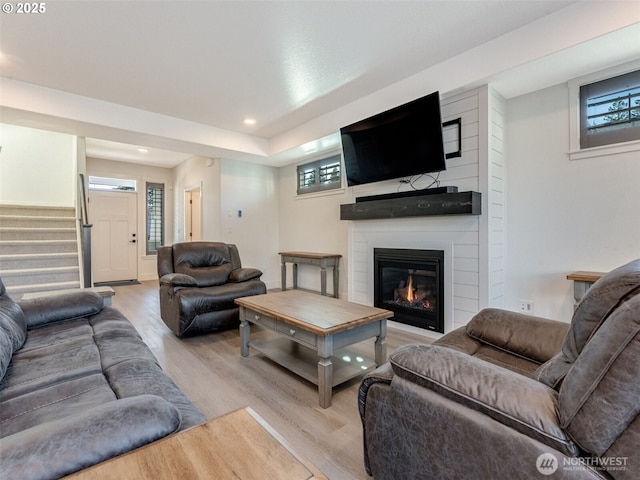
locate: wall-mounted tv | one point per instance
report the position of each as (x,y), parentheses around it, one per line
(401,142)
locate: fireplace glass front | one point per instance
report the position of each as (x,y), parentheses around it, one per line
(410,283)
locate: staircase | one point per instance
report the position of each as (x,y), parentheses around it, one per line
(38,249)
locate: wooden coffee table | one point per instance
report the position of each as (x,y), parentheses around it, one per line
(239,445)
(312,333)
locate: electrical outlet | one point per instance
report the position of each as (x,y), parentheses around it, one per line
(526,306)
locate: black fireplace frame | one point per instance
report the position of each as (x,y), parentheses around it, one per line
(411,258)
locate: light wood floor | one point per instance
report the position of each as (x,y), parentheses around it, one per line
(211,372)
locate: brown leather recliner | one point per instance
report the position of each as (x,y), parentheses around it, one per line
(515,396)
(199,282)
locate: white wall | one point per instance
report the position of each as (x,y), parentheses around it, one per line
(228,187)
(311,223)
(147,264)
(562,215)
(252,190)
(204,173)
(493,182)
(37,167)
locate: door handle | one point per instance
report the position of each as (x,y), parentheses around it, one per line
(132,241)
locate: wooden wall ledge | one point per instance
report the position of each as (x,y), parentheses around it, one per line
(458,203)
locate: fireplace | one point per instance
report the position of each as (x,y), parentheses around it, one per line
(410,283)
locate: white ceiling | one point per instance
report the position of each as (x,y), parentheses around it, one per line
(284,63)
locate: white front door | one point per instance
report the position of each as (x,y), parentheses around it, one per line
(114,239)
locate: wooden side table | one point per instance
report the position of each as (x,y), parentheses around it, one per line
(323,260)
(582,281)
(239,444)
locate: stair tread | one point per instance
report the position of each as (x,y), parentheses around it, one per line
(39,248)
(38,229)
(42,286)
(33,217)
(39,242)
(39,270)
(37,255)
(36,208)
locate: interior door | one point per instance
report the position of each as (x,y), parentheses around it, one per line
(193,215)
(114,239)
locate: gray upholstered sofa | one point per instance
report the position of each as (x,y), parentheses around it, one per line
(515,396)
(199,282)
(78,386)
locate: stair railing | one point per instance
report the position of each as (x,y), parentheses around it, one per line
(86,234)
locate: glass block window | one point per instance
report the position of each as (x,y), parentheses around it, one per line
(321,175)
(155,217)
(610,111)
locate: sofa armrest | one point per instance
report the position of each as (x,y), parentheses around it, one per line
(382,374)
(243,274)
(534,338)
(178,280)
(43,310)
(514,400)
(61,447)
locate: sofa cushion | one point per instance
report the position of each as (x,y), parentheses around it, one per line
(601,299)
(199,301)
(210,276)
(209,263)
(244,274)
(460,340)
(34,368)
(598,399)
(178,280)
(504,330)
(509,398)
(53,402)
(13,329)
(65,306)
(133,378)
(56,448)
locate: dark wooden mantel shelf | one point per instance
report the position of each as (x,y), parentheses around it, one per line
(458,203)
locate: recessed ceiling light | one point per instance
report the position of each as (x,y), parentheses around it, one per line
(249,121)
(143,150)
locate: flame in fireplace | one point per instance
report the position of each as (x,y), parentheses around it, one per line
(410,290)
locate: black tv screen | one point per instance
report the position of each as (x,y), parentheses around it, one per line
(401,142)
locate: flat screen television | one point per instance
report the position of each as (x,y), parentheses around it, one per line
(401,142)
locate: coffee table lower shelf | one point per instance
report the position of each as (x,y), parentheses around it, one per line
(303,361)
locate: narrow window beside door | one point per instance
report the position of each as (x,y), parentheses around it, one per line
(155,217)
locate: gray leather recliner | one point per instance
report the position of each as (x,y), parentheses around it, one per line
(199,282)
(515,396)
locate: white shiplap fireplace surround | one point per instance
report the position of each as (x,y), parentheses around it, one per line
(473,245)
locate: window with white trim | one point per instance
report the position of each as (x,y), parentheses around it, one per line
(113,184)
(610,111)
(155,217)
(321,175)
